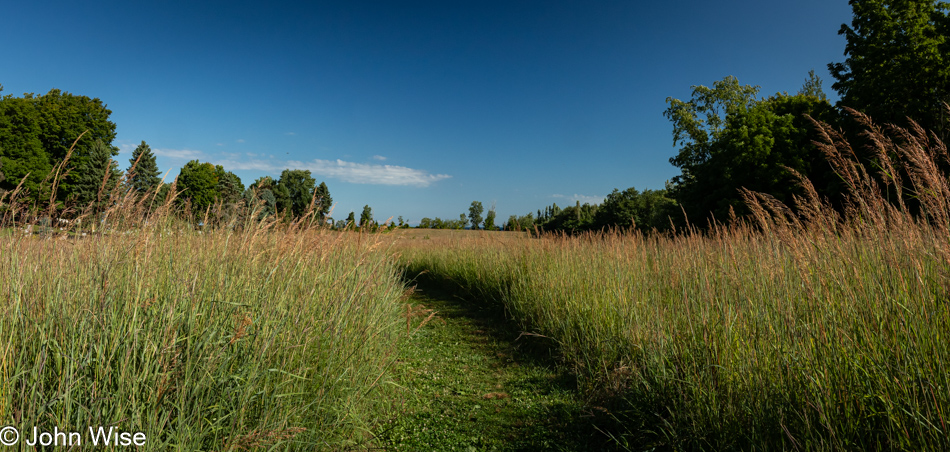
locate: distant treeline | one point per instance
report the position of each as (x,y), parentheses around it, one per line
(56,152)
(646,210)
(896,71)
(56,149)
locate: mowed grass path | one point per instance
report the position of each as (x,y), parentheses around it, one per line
(468,379)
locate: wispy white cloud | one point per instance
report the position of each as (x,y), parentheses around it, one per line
(584,199)
(379,157)
(183,154)
(240,140)
(357,173)
(290,133)
(364,173)
(266,166)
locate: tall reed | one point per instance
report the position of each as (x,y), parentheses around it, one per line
(805,329)
(233,337)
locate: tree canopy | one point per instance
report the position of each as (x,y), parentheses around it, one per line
(36,133)
(730,139)
(475,213)
(198,183)
(296,192)
(897,61)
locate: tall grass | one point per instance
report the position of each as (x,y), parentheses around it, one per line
(808,330)
(233,338)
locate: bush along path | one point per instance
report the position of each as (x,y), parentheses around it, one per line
(467,379)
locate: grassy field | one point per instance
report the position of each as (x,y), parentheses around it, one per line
(805,338)
(736,341)
(268,338)
(816,331)
(822,330)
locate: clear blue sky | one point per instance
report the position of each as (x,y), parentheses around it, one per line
(415,108)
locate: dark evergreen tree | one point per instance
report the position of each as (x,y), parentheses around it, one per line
(262,191)
(228,186)
(366,218)
(323,201)
(142,174)
(898,62)
(97,177)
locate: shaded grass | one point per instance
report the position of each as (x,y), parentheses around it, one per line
(470,380)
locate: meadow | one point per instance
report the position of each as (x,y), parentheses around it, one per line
(231,339)
(819,330)
(822,329)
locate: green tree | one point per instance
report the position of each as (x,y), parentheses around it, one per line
(351,220)
(475,214)
(299,187)
(323,200)
(21,150)
(163,192)
(812,87)
(97,177)
(898,61)
(143,169)
(522,223)
(228,186)
(697,123)
(36,133)
(645,210)
(732,140)
(490,220)
(262,191)
(366,218)
(197,183)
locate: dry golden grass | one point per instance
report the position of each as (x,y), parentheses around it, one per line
(807,329)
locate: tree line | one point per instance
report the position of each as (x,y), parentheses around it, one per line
(896,70)
(473,219)
(57,149)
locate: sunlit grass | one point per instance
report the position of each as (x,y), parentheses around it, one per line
(216,340)
(811,332)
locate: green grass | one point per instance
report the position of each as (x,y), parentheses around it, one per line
(736,341)
(808,331)
(468,379)
(215,341)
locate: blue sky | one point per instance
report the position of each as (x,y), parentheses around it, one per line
(415,108)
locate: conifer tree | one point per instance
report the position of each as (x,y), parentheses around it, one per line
(143,169)
(323,201)
(366,218)
(96,177)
